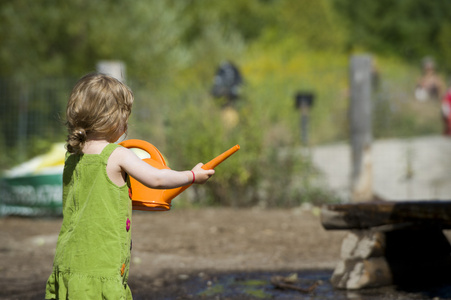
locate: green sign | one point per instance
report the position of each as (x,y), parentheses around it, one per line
(32,195)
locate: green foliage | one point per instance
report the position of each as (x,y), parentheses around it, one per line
(263,172)
(312,23)
(188,126)
(409,29)
(396,113)
(171,50)
(42,38)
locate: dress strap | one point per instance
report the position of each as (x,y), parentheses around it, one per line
(106,152)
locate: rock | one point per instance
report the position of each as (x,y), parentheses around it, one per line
(358,273)
(363,244)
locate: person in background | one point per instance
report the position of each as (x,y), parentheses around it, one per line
(446,112)
(430,86)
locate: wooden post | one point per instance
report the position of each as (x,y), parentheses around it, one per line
(360,128)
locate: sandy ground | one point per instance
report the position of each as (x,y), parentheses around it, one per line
(169,247)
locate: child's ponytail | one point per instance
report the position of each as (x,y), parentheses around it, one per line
(76,140)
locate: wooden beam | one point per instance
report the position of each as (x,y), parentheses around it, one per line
(387,216)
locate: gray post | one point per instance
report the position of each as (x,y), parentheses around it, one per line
(304,123)
(303,102)
(113,68)
(360,128)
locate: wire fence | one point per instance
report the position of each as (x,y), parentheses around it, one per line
(31,116)
(410,156)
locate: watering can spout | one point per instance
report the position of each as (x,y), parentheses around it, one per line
(170,194)
(145,198)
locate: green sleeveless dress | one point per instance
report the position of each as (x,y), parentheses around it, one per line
(93,249)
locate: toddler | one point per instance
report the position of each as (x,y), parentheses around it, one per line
(93,250)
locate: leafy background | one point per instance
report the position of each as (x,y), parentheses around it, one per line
(171,50)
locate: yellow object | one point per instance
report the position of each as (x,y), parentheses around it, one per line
(55,157)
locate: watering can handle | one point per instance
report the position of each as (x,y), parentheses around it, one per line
(146,146)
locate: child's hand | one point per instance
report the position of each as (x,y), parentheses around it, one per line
(201,175)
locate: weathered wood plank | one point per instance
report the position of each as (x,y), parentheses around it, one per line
(387,214)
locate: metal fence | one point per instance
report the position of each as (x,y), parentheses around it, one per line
(410,158)
(31,120)
(31,116)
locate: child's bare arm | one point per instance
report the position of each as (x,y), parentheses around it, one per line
(156,178)
(201,175)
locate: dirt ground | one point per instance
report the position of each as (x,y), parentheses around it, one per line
(170,247)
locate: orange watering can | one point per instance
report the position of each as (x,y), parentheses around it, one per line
(145,198)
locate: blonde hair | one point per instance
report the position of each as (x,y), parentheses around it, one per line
(98,106)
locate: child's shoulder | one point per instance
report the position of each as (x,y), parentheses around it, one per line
(122,151)
(121,154)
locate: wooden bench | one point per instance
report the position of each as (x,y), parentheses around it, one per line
(399,243)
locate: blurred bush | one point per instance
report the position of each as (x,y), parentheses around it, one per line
(171,50)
